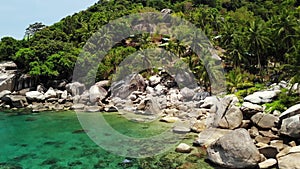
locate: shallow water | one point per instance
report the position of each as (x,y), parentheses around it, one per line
(57,140)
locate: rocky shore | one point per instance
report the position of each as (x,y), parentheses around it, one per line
(234,134)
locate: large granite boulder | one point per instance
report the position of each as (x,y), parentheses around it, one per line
(51,93)
(124,88)
(291,126)
(97,93)
(232,119)
(75,88)
(35,96)
(234,150)
(289,122)
(265,121)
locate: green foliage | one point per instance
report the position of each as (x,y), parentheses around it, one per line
(238,79)
(258,37)
(245,92)
(284,101)
(8,47)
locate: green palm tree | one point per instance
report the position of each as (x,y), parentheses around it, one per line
(258,41)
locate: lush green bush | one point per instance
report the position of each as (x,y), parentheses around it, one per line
(284,101)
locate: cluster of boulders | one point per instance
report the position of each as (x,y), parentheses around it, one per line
(246,136)
(236,135)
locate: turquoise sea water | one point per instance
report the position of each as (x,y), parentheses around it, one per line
(56,140)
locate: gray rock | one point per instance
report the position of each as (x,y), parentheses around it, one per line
(253,131)
(169,119)
(154,80)
(51,93)
(278,144)
(261,97)
(8,72)
(199,126)
(111,109)
(262,139)
(187,93)
(40,88)
(35,96)
(97,93)
(266,121)
(232,118)
(183,148)
(64,94)
(92,108)
(103,83)
(291,126)
(283,84)
(123,88)
(295,88)
(16,101)
(200,96)
(290,112)
(149,106)
(234,150)
(210,135)
(181,129)
(4,93)
(78,107)
(218,110)
(250,109)
(209,102)
(267,163)
(289,158)
(269,134)
(75,88)
(84,97)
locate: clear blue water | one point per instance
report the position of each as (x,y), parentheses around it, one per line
(55,140)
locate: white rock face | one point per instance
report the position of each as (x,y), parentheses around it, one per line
(50,93)
(261,97)
(35,96)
